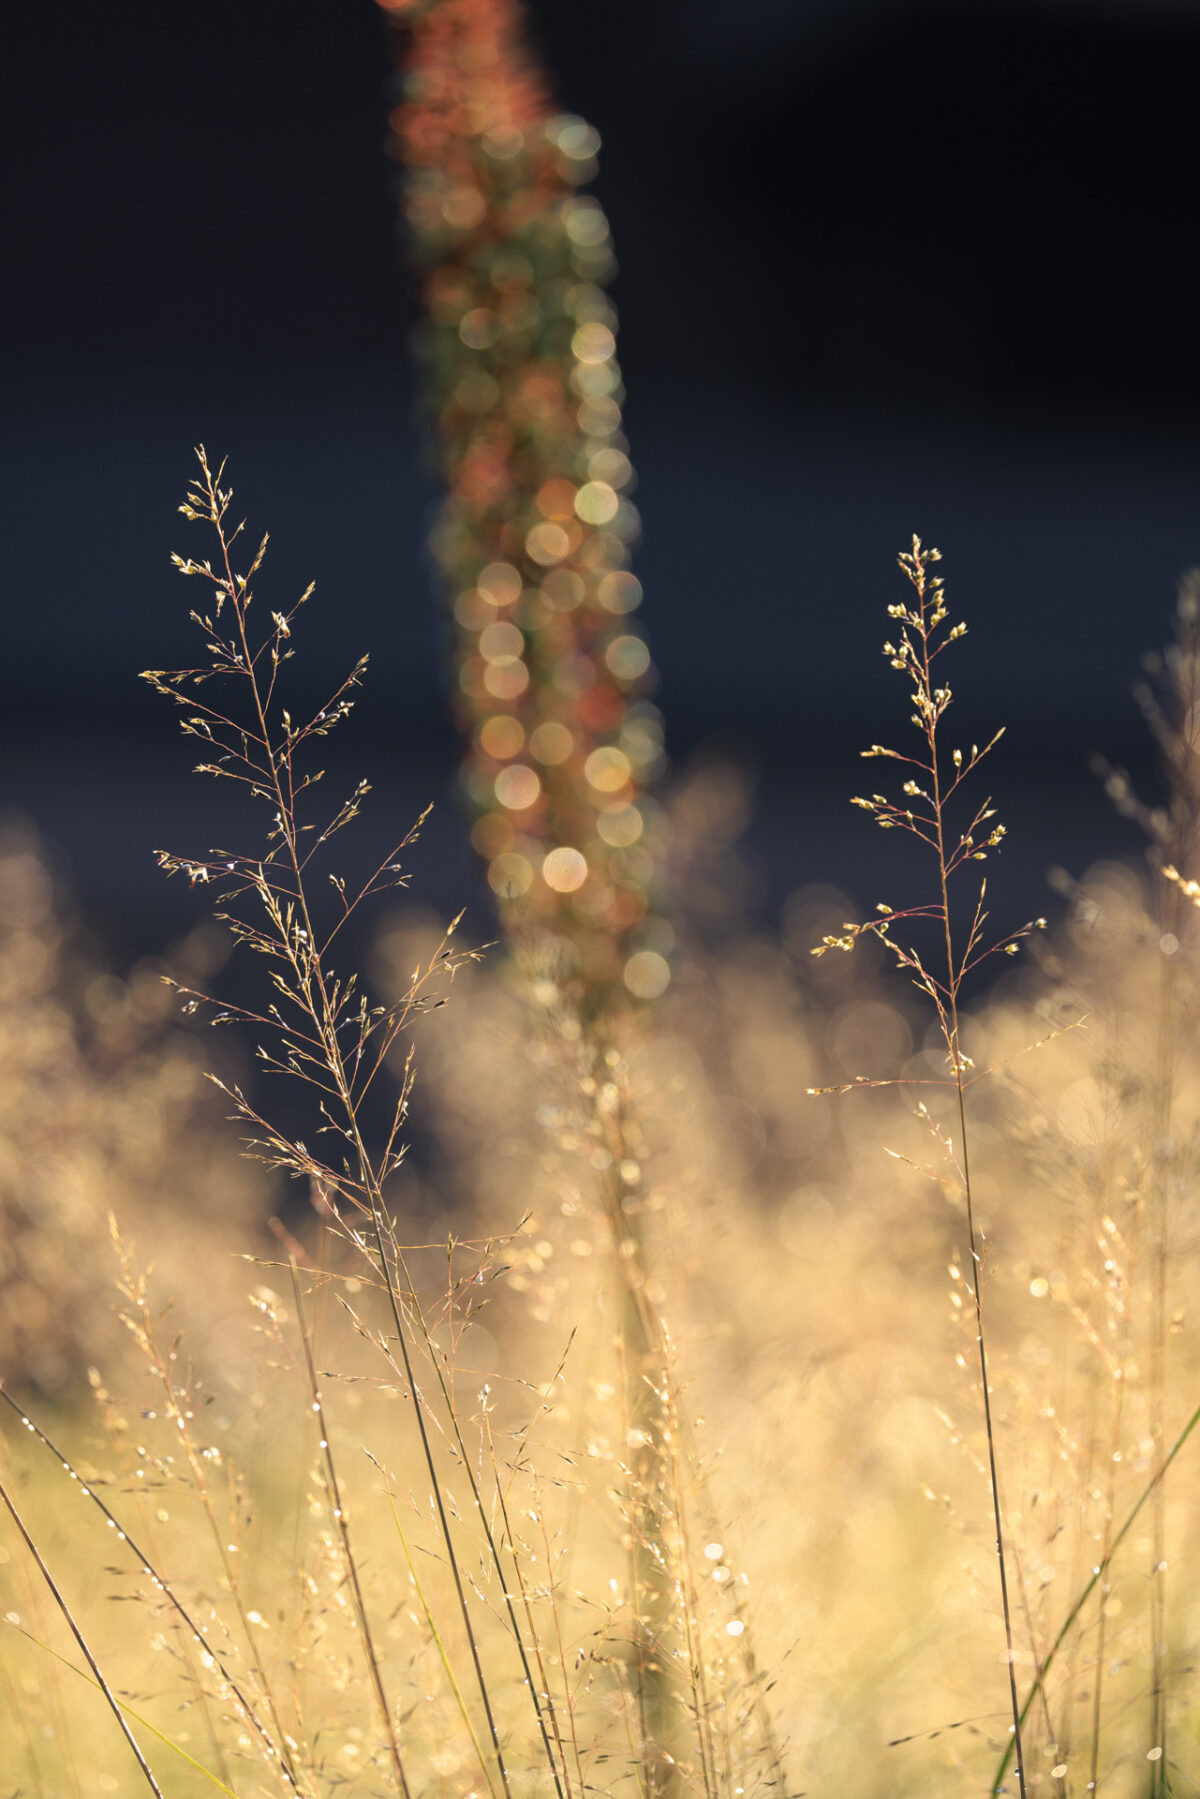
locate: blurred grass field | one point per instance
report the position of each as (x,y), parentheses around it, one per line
(812,1286)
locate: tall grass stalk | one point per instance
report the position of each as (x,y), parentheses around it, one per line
(329,1037)
(932,783)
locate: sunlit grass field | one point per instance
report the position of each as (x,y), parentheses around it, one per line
(642,1354)
(689,1313)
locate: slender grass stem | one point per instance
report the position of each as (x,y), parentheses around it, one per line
(560,1643)
(976,1264)
(185,1615)
(168,1742)
(439,1645)
(342,1525)
(113,1702)
(385,1240)
(954,1046)
(535,1640)
(923,814)
(1098,1576)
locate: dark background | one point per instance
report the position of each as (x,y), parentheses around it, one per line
(884,267)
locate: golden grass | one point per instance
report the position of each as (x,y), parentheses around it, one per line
(380,1529)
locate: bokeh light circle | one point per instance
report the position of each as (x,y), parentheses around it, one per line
(517,787)
(564,870)
(647,974)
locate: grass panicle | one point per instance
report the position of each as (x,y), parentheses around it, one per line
(932,780)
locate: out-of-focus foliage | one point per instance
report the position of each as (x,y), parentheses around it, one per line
(813,1287)
(105,1109)
(533,542)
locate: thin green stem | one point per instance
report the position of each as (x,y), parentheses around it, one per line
(93,1664)
(1098,1575)
(186,1618)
